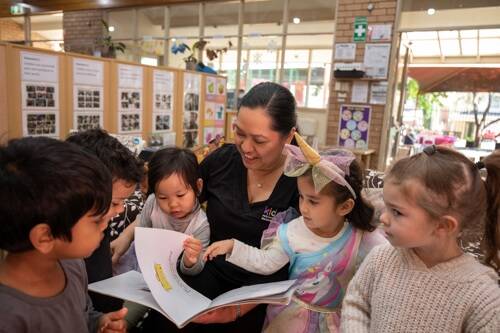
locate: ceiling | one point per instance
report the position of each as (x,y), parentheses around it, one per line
(466,79)
(418,5)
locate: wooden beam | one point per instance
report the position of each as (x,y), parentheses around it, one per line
(41,6)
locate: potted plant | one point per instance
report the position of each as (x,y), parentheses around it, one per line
(108,46)
(192,60)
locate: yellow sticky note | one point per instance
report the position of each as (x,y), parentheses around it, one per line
(160,276)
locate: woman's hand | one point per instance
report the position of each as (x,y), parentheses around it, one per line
(192,249)
(219,248)
(222,315)
(113,322)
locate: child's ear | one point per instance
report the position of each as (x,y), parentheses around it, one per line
(346,207)
(448,225)
(41,238)
(199,185)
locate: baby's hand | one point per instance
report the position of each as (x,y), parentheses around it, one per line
(219,248)
(192,249)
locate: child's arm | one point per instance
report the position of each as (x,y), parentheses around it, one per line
(192,262)
(120,245)
(261,261)
(356,307)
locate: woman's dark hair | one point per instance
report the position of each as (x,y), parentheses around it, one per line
(48,181)
(168,161)
(278,102)
(362,213)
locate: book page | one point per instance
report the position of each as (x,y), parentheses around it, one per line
(130,286)
(261,292)
(157,252)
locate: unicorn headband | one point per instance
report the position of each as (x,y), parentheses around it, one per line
(325,168)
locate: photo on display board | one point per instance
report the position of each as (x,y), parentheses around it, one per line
(85,122)
(41,124)
(162,122)
(219,111)
(209,111)
(163,102)
(191,102)
(88,98)
(190,139)
(190,120)
(130,122)
(39,96)
(130,100)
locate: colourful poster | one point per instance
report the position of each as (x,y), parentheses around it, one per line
(215,108)
(354,126)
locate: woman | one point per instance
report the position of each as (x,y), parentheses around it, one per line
(244,188)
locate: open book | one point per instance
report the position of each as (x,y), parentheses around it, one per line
(161,288)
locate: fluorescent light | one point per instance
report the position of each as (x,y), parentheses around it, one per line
(431,11)
(111,28)
(296,20)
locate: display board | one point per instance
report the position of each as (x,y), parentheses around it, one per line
(51,93)
(191,109)
(215,108)
(88,94)
(39,94)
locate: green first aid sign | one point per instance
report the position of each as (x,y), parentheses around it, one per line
(360,28)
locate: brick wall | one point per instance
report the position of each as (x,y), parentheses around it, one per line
(383,13)
(81,30)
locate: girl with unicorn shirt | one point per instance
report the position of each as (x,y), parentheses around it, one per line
(324,246)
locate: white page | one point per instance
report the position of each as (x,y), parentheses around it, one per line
(376,60)
(345,51)
(155,246)
(88,72)
(253,292)
(130,286)
(359,92)
(39,67)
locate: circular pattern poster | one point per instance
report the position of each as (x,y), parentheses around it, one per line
(354,126)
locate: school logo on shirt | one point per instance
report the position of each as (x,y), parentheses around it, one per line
(269,214)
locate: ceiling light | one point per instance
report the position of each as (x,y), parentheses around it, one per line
(431,11)
(296,20)
(111,28)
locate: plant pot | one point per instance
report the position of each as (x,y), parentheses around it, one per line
(191,65)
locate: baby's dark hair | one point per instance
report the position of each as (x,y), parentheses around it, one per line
(362,213)
(168,161)
(119,160)
(44,180)
(451,181)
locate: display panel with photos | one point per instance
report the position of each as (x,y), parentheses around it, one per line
(37,95)
(88,98)
(130,122)
(86,121)
(130,100)
(40,124)
(162,122)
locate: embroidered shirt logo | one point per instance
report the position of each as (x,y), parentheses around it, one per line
(269,214)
